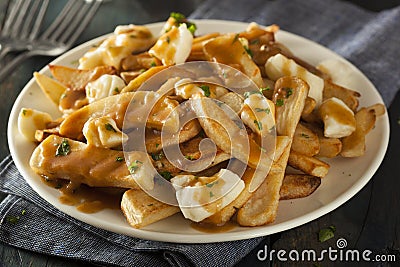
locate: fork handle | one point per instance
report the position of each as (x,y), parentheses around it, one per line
(13,64)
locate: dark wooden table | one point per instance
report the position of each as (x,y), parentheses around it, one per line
(370,220)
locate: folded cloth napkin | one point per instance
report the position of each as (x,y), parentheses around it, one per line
(369,40)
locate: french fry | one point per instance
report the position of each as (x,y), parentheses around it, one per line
(349,97)
(298,186)
(100,169)
(309,106)
(378,108)
(287,116)
(305,141)
(50,87)
(328,147)
(76,79)
(308,165)
(140,209)
(233,100)
(139,80)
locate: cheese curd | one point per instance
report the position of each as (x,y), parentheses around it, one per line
(103,132)
(104,86)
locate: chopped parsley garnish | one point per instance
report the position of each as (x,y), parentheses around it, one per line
(168,39)
(179,17)
(119,159)
(153,64)
(24,111)
(192,27)
(109,127)
(157,144)
(305,135)
(262,89)
(116,89)
(157,156)
(13,219)
(248,51)
(279,102)
(266,110)
(259,124)
(289,92)
(63,149)
(189,157)
(235,38)
(166,175)
(206,90)
(209,185)
(211,194)
(247,94)
(326,233)
(134,166)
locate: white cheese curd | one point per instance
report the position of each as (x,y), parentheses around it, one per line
(258,114)
(278,66)
(201,197)
(104,86)
(141,169)
(338,118)
(103,132)
(30,120)
(339,72)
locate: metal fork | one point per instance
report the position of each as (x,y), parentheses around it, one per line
(61,34)
(19,28)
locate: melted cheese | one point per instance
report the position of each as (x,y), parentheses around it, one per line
(104,86)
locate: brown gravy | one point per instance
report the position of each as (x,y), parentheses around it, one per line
(86,199)
(212,228)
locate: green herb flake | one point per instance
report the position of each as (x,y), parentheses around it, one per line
(209,185)
(166,175)
(206,90)
(189,157)
(13,219)
(157,156)
(235,38)
(192,27)
(63,149)
(116,90)
(211,194)
(326,233)
(168,40)
(279,102)
(249,52)
(262,89)
(179,17)
(305,135)
(289,92)
(109,127)
(135,165)
(266,110)
(119,159)
(247,94)
(24,111)
(157,144)
(153,64)
(259,124)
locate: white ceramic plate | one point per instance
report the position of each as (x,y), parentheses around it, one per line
(346,176)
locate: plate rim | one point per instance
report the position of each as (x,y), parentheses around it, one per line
(202,237)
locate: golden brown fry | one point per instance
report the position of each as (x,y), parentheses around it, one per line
(140,209)
(262,206)
(138,81)
(76,79)
(378,108)
(309,106)
(50,87)
(305,141)
(233,100)
(298,186)
(328,147)
(354,144)
(81,163)
(308,165)
(349,97)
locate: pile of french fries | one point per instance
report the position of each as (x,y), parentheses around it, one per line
(313,117)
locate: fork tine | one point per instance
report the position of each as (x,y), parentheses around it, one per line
(17,27)
(10,18)
(26,26)
(85,22)
(58,20)
(76,22)
(38,22)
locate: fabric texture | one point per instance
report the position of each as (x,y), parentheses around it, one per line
(369,40)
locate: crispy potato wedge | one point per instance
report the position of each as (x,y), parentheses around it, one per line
(305,141)
(308,165)
(298,186)
(233,100)
(50,87)
(139,80)
(76,79)
(81,163)
(287,115)
(354,144)
(227,49)
(309,106)
(349,97)
(379,109)
(113,106)
(140,209)
(328,147)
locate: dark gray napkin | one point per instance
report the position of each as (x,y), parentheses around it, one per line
(369,40)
